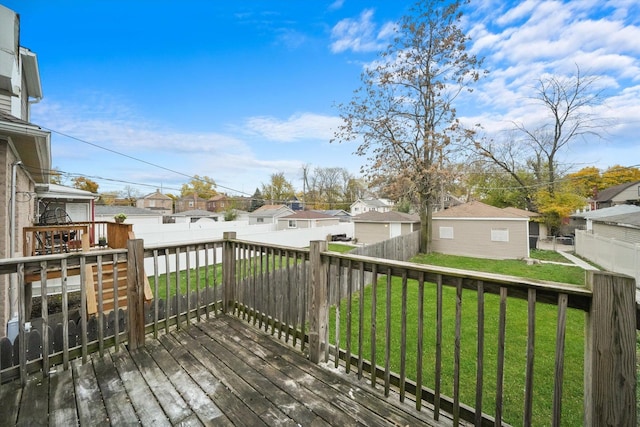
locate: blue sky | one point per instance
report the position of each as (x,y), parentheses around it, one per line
(238,90)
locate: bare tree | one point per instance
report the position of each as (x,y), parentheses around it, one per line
(130,194)
(404,112)
(568,104)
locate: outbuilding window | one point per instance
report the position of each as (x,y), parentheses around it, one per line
(499,234)
(446,232)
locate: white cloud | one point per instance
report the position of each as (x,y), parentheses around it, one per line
(297,127)
(361,34)
(535,39)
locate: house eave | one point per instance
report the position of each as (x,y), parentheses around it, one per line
(33,146)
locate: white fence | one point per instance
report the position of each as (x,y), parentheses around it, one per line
(610,254)
(200,231)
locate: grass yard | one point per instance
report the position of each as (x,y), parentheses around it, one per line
(545,255)
(214,275)
(516,341)
(510,267)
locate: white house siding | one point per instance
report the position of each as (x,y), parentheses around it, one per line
(473,237)
(625,234)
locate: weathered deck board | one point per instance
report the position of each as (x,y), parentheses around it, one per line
(91,410)
(216,372)
(62,399)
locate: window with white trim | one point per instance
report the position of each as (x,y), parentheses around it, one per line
(293,223)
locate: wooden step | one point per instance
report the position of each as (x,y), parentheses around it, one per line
(91,286)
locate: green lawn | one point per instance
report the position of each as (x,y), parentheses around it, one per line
(516,341)
(545,255)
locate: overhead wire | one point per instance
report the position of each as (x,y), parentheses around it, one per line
(193,177)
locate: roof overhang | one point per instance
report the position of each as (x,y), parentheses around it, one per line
(33,146)
(54,191)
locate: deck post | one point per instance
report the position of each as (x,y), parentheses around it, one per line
(135,292)
(610,351)
(228,271)
(317,299)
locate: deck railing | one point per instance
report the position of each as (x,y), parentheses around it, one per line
(74,237)
(373,316)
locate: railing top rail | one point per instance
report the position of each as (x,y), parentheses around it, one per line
(8,265)
(579,296)
(271,246)
(149,248)
(53,227)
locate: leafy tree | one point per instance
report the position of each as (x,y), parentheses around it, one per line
(279,190)
(204,187)
(84,183)
(617,174)
(256,200)
(404,111)
(557,205)
(586,182)
(230,215)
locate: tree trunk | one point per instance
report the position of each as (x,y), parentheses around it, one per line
(426,216)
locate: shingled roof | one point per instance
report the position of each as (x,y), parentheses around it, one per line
(308,215)
(477,210)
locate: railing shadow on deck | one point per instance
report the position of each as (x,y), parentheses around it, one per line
(346,311)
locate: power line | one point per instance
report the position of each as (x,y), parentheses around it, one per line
(138,159)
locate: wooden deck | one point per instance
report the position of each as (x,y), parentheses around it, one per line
(216,372)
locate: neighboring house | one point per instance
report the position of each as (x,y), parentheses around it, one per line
(25,151)
(190,202)
(479,230)
(306,219)
(536,227)
(268,214)
(342,215)
(361,206)
(372,227)
(584,220)
(196,215)
(156,202)
(218,203)
(623,194)
(134,215)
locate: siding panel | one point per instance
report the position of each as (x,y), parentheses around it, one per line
(473,238)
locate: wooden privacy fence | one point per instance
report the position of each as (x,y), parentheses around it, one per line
(394,323)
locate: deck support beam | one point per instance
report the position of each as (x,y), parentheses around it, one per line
(610,351)
(135,292)
(228,271)
(317,305)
